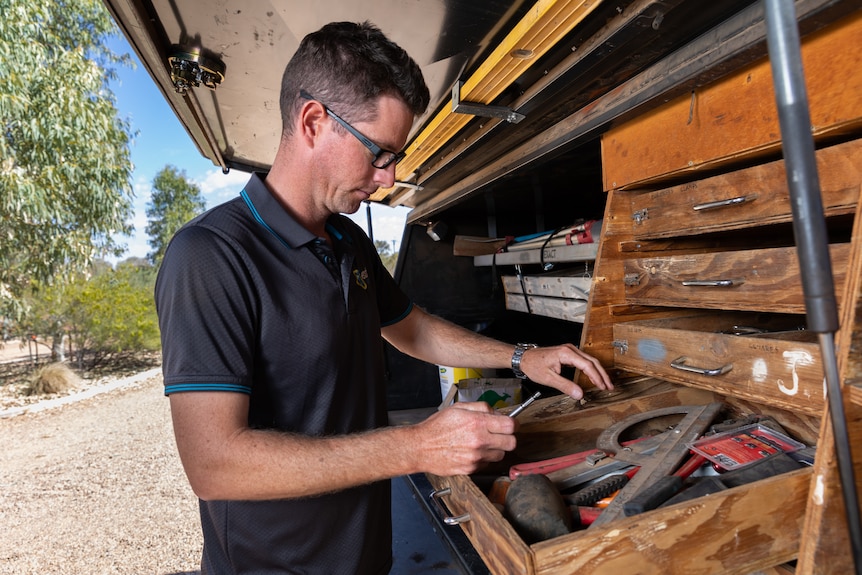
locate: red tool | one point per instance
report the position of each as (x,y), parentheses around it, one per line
(584,516)
(555,464)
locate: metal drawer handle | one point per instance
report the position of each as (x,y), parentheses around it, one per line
(679,363)
(443,512)
(724,203)
(744,330)
(712,283)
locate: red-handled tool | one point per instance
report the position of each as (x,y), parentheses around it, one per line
(555,464)
(584,516)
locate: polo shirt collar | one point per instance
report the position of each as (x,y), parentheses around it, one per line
(271,214)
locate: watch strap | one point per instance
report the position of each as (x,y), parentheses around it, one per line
(516,358)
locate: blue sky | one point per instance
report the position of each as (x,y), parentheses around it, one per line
(161,140)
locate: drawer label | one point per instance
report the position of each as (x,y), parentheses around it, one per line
(763,346)
(688,187)
(652,350)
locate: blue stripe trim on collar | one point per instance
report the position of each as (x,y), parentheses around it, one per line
(331,229)
(259,219)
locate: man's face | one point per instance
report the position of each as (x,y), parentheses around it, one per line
(350,178)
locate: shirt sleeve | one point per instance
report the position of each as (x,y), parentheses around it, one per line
(206,314)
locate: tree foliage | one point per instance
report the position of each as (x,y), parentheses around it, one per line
(105,315)
(174,202)
(65,168)
(113,314)
(387,256)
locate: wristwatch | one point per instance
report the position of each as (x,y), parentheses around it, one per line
(516,358)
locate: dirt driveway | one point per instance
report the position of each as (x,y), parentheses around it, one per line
(96,487)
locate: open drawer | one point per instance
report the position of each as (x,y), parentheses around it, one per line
(739,530)
(756,356)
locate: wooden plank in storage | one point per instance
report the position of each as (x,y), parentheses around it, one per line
(760,280)
(560,296)
(553,285)
(554,255)
(555,307)
(735,119)
(750,197)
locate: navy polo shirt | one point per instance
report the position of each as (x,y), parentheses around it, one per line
(247,304)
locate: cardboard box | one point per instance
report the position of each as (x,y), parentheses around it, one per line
(495,392)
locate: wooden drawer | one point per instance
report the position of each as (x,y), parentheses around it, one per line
(735,119)
(757,280)
(745,198)
(735,531)
(723,353)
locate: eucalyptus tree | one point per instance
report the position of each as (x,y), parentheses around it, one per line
(174,201)
(65,168)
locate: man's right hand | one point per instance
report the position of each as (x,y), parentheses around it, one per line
(463,438)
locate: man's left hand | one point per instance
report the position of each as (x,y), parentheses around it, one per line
(544,364)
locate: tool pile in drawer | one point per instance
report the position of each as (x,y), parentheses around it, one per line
(637,439)
(702,453)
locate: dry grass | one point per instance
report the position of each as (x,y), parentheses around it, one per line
(53,378)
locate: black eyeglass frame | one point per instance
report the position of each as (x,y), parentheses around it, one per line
(382,157)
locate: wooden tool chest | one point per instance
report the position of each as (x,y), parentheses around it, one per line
(696,297)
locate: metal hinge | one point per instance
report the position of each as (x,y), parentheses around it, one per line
(483,110)
(622,345)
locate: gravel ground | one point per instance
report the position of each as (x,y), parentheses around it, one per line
(95,486)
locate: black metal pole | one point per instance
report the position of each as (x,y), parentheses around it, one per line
(368,219)
(809,228)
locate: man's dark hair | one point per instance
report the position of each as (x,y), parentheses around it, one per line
(347,65)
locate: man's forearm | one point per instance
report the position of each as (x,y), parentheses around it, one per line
(260,464)
(224,459)
(435,340)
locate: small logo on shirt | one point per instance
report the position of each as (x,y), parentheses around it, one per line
(361,278)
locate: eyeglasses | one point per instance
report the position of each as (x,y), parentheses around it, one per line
(382,158)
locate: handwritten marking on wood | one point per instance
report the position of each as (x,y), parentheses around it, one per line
(794,358)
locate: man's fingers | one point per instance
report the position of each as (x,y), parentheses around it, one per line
(596,373)
(544,366)
(473,406)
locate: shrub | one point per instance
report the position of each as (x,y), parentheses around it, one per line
(52,378)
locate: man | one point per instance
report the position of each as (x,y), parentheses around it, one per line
(272,307)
